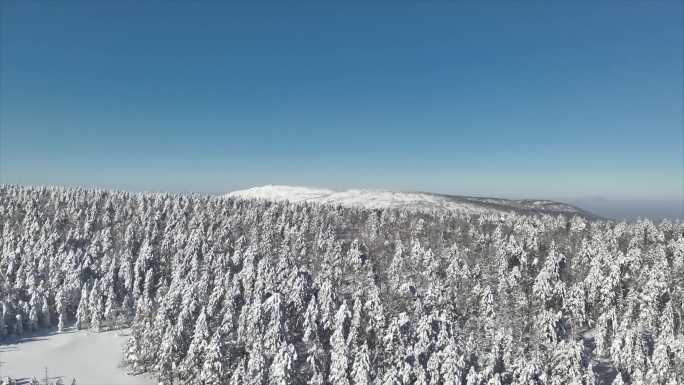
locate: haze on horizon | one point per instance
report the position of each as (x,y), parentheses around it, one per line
(574,102)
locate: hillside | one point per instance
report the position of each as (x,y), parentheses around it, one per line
(414,201)
(236,291)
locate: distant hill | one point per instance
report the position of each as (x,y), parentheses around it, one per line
(420,201)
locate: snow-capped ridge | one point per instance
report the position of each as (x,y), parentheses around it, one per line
(375,199)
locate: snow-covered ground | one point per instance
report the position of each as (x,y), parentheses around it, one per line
(90,358)
(355,198)
(375,199)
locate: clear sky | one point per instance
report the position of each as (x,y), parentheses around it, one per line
(581,102)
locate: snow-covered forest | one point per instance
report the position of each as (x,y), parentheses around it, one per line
(219,290)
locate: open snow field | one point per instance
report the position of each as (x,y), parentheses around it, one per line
(90,358)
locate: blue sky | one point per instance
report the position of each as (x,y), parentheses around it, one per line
(581,102)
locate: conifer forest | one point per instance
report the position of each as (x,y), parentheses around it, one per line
(221,290)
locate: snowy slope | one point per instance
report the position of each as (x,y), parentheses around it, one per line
(90,358)
(407,200)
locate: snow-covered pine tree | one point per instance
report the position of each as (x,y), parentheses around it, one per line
(281,370)
(361,368)
(214,367)
(339,360)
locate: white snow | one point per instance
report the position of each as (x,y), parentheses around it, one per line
(356,198)
(412,201)
(91,358)
(284,193)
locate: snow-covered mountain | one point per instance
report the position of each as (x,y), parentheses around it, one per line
(407,200)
